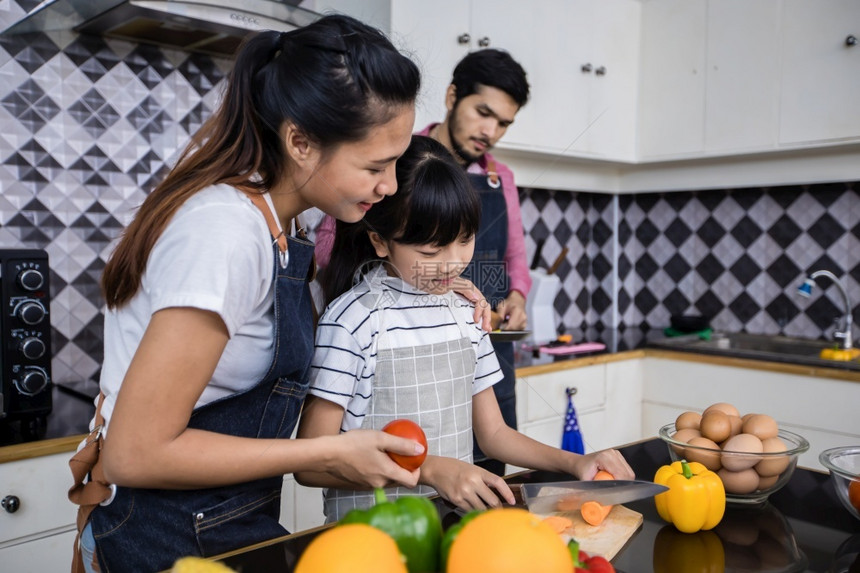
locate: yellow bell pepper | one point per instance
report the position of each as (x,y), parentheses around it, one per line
(696,499)
(840,354)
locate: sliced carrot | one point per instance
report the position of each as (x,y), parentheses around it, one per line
(593,513)
(558,523)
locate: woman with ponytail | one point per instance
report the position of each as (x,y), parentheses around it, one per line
(209,329)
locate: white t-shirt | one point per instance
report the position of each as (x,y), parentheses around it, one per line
(348,332)
(215,254)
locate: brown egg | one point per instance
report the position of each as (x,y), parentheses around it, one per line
(765,482)
(710,460)
(715,425)
(744,481)
(743,444)
(746,417)
(685,436)
(688,420)
(737,424)
(772,465)
(761,426)
(723,407)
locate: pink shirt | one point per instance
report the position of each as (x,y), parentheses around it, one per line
(515,256)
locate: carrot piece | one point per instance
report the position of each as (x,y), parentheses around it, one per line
(558,523)
(592,512)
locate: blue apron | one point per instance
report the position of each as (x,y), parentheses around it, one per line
(489,273)
(148,529)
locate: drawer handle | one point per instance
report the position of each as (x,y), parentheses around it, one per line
(11,503)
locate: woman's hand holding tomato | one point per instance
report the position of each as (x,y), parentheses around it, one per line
(412,431)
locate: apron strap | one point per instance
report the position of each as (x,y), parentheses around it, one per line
(86,463)
(260,202)
(492,175)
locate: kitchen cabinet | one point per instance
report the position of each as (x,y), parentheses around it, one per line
(725,77)
(571,111)
(39,535)
(821,73)
(822,410)
(709,81)
(608,404)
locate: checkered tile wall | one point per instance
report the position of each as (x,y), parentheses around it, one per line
(736,256)
(88,125)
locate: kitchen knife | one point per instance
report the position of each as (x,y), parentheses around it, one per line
(570,495)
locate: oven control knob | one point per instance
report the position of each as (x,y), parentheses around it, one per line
(32,381)
(30,311)
(32,347)
(31,279)
(10,503)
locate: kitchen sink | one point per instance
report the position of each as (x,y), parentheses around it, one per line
(758,346)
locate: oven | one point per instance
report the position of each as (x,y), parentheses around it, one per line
(25,329)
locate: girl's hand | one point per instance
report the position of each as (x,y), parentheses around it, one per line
(362,459)
(586,466)
(465,485)
(466,288)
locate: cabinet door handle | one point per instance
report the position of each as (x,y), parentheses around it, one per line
(586,68)
(851,40)
(484,42)
(464,39)
(600,71)
(10,503)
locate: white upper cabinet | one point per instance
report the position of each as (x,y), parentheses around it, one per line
(742,75)
(672,79)
(728,77)
(637,95)
(820,89)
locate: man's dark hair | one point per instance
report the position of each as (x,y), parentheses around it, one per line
(493,68)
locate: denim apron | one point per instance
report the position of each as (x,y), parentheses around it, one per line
(148,529)
(490,276)
(431,384)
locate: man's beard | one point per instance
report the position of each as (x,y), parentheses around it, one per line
(458,150)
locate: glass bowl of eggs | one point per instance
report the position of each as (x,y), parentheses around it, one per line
(844,465)
(751,454)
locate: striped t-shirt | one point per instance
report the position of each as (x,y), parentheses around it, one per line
(348,333)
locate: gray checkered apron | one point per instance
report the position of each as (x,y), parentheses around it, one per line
(430,384)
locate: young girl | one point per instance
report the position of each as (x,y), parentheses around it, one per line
(398,343)
(208,331)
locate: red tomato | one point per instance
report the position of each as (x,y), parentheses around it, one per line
(407,429)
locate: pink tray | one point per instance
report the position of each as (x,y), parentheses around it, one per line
(573,348)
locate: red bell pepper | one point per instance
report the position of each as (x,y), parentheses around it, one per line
(582,563)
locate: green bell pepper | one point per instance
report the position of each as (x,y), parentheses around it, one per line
(412,521)
(451,535)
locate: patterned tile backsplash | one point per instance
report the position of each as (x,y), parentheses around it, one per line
(88,126)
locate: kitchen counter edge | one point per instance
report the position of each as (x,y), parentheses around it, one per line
(70,443)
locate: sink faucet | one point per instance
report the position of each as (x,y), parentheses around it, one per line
(806,290)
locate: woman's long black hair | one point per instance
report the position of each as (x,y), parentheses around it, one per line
(334,79)
(435,204)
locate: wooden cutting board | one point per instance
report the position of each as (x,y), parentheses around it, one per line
(605,539)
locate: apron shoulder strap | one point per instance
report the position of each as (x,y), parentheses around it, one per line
(260,202)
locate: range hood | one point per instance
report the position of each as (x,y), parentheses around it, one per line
(211,26)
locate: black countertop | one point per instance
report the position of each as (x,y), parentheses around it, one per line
(803,527)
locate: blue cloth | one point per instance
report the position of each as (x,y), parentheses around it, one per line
(571,439)
(148,529)
(489,273)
